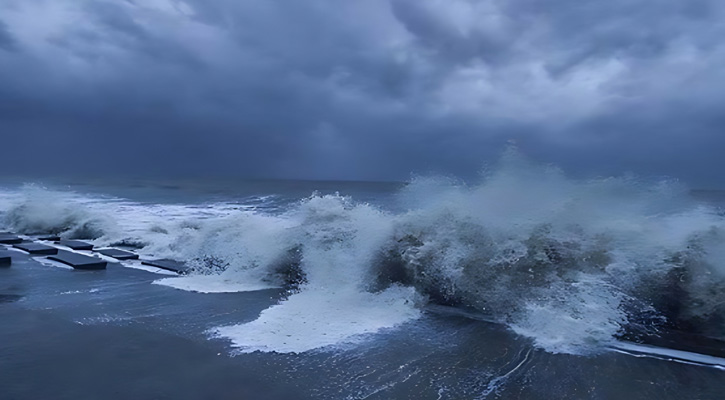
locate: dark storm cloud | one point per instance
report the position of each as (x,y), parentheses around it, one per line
(449,43)
(7,41)
(370,89)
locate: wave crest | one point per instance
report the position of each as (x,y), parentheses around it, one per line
(41,211)
(572,264)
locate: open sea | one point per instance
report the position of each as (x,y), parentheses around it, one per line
(524,285)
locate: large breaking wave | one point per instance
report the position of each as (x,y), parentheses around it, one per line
(572,264)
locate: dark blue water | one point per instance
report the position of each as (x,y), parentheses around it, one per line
(113,334)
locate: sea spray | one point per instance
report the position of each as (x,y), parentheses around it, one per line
(37,210)
(573,264)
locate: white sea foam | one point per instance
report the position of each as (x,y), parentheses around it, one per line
(212,284)
(571,264)
(686,357)
(148,268)
(339,240)
(316,319)
(36,210)
(579,318)
(52,263)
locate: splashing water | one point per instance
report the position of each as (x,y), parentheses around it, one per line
(571,264)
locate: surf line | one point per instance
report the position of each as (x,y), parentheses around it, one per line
(680,356)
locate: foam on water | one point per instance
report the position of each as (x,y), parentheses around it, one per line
(686,357)
(213,284)
(339,241)
(316,319)
(572,264)
(36,210)
(584,315)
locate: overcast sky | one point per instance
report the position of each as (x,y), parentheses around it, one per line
(362,89)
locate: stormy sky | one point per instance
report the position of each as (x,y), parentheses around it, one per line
(362,89)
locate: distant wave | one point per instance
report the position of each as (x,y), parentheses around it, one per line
(37,210)
(571,264)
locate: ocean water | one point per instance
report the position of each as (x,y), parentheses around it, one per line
(523,284)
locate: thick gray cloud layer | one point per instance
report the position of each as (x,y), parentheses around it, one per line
(362,89)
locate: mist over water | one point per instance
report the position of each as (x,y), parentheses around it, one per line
(571,264)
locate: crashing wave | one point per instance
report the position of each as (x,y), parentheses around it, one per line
(572,264)
(41,211)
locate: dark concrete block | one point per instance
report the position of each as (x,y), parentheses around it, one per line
(118,254)
(36,248)
(78,261)
(9,238)
(75,244)
(5,259)
(169,265)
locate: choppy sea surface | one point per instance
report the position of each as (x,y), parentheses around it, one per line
(524,284)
